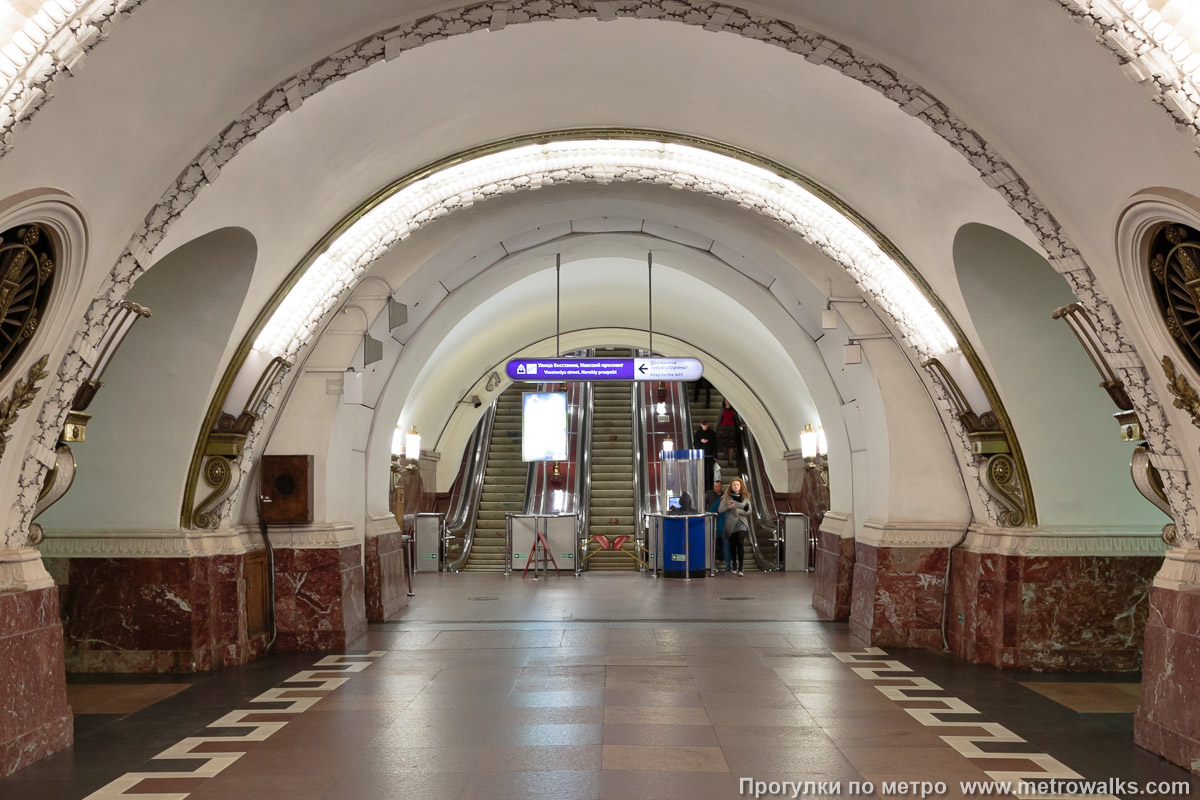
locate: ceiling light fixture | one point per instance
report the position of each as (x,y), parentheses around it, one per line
(337,269)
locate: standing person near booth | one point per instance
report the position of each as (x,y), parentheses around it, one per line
(736,507)
(705,438)
(727,431)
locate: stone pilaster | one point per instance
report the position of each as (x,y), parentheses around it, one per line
(1168,718)
(1051,600)
(385,577)
(320,593)
(35,719)
(834,574)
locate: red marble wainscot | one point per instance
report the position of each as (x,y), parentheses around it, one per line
(834,576)
(1168,718)
(1050,613)
(181,614)
(35,719)
(320,598)
(385,576)
(896,598)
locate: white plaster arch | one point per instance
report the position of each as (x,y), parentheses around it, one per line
(908,94)
(1049,387)
(1146,211)
(157,389)
(427,382)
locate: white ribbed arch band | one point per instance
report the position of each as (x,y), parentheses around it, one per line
(537,165)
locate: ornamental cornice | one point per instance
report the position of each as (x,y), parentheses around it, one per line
(381,525)
(1065,542)
(1143,59)
(319,536)
(915,533)
(164,543)
(839,523)
(22,570)
(58,56)
(1180,570)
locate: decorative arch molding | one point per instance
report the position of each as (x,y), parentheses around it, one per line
(57,214)
(51,44)
(818,49)
(1150,50)
(389,218)
(1147,211)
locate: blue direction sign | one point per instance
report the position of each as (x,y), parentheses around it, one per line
(549,370)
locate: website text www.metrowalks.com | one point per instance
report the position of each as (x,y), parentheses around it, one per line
(749,787)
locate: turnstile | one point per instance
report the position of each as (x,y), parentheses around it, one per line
(796,544)
(560,532)
(430,531)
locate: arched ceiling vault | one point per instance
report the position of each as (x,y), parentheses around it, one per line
(904,93)
(770,190)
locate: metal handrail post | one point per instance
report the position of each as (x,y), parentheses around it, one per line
(687,551)
(508,543)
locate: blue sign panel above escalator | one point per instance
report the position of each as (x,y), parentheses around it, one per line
(549,370)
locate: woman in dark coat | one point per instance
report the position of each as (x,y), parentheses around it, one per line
(735,505)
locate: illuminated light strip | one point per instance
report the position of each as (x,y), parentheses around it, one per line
(336,270)
(875,666)
(215,761)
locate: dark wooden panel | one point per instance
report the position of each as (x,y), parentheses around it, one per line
(287,488)
(257,594)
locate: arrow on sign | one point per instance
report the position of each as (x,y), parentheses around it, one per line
(642,368)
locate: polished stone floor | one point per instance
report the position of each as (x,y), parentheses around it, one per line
(612,686)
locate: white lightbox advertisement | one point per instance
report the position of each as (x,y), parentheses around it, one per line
(544,426)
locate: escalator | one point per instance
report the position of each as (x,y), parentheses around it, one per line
(612,510)
(504,481)
(747,464)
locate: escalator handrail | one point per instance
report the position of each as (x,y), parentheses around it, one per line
(466,513)
(762,521)
(640,466)
(583,468)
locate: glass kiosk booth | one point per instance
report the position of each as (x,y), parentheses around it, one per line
(681,539)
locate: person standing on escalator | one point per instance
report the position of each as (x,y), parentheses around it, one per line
(736,506)
(727,432)
(705,438)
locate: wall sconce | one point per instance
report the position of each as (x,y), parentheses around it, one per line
(1084,329)
(412,444)
(398,442)
(661,410)
(128,313)
(814,449)
(808,443)
(668,445)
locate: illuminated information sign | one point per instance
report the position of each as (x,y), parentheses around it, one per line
(549,370)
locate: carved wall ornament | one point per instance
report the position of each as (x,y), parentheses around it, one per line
(818,49)
(21,397)
(27,266)
(1185,396)
(1000,480)
(1174,267)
